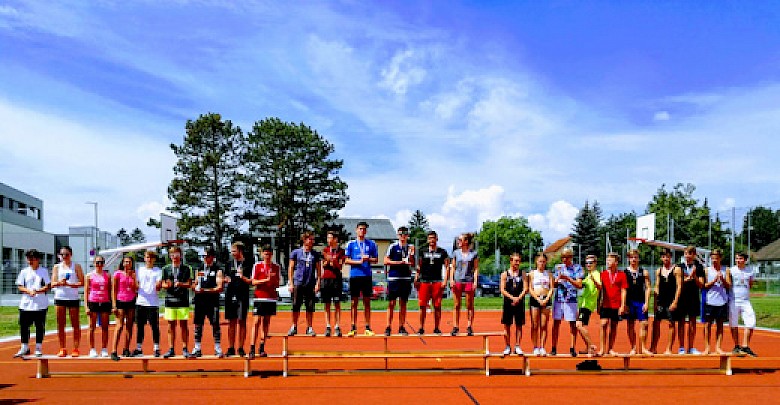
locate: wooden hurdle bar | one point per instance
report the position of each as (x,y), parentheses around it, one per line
(724,363)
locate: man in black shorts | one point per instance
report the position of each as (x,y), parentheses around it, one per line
(398,261)
(689,306)
(331,281)
(237,275)
(208,285)
(304,274)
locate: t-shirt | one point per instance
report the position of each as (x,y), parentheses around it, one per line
(33,280)
(396,252)
(237,287)
(125,288)
(304,268)
(565,290)
(177,297)
(266,291)
(717,295)
(355,251)
(636,285)
(336,255)
(740,283)
(147,286)
(590,293)
(431,263)
(67,273)
(464,265)
(611,285)
(206,279)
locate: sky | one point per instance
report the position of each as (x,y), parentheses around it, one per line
(466,110)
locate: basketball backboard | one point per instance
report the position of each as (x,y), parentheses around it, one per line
(169,229)
(645,227)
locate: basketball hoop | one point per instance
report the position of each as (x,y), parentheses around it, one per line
(633,243)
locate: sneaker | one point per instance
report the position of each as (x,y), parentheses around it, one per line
(507,350)
(455,331)
(368,332)
(694,351)
(338,331)
(262,353)
(421,331)
(437,331)
(230,352)
(402,331)
(126,353)
(104,353)
(747,350)
(518,351)
(737,351)
(554,351)
(310,331)
(62,353)
(218,352)
(114,356)
(542,352)
(327,331)
(241,352)
(681,351)
(293,331)
(138,353)
(469,331)
(169,354)
(92,353)
(185,353)
(197,353)
(352,332)
(251,353)
(22,353)
(573,352)
(388,331)
(536,351)
(156,352)
(38,352)
(75,353)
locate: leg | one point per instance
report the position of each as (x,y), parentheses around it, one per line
(707,332)
(232,332)
(470,308)
(129,316)
(61,319)
(118,328)
(140,323)
(353,311)
(691,332)
(555,329)
(171,333)
(390,309)
(104,329)
(75,323)
(603,336)
(40,327)
(456,292)
(746,338)
(154,322)
(612,335)
(656,334)
(257,320)
(337,312)
(643,337)
(241,331)
(670,343)
(719,336)
(402,313)
(423,311)
(573,334)
(92,322)
(327,313)
(631,335)
(535,314)
(185,332)
(367,309)
(681,332)
(543,321)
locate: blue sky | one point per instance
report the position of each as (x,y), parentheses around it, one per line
(466,110)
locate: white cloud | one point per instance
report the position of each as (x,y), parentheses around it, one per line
(556,222)
(401,73)
(727,204)
(661,116)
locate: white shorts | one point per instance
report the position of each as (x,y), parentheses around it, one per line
(565,310)
(744,309)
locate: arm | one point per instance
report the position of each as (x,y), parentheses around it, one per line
(727,278)
(79,276)
(318,269)
(55,276)
(622,309)
(678,276)
(699,279)
(448,274)
(374,254)
(647,291)
(290,269)
(525,285)
(113,289)
(476,273)
(502,286)
(658,280)
(86,295)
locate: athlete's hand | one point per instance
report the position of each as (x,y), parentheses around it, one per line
(673,306)
(644,308)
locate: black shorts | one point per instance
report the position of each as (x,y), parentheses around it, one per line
(125,305)
(714,313)
(303,295)
(99,307)
(264,308)
(236,307)
(513,313)
(360,285)
(532,302)
(662,312)
(583,315)
(609,313)
(330,289)
(208,310)
(689,306)
(67,303)
(399,289)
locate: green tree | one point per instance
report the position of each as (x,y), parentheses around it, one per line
(137,236)
(511,234)
(616,226)
(294,184)
(207,186)
(765,225)
(418,228)
(124,237)
(587,230)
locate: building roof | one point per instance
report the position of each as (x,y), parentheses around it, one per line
(378,228)
(768,252)
(556,246)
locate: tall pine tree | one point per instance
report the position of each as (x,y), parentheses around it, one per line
(587,230)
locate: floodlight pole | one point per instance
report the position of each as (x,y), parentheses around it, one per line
(95,204)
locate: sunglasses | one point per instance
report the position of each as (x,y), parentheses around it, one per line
(590,262)
(100,262)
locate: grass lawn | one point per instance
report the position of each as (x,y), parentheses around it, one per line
(767,312)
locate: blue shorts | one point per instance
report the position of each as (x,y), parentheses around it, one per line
(635,311)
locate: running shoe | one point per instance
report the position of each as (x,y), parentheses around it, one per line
(218,352)
(368,332)
(197,353)
(554,351)
(327,331)
(507,351)
(352,332)
(402,331)
(455,331)
(38,352)
(75,353)
(738,351)
(388,331)
(437,331)
(262,353)
(104,352)
(169,354)
(138,353)
(156,352)
(542,352)
(310,331)
(126,353)
(747,350)
(22,353)
(421,331)
(251,353)
(694,351)
(469,331)
(93,353)
(518,351)
(185,353)
(536,351)
(338,331)
(62,353)
(241,352)
(230,352)
(573,352)
(293,331)
(681,351)
(114,356)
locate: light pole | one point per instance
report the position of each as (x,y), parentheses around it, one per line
(95,204)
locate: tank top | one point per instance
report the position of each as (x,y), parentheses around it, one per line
(513,285)
(98,288)
(125,286)
(65,272)
(667,287)
(636,285)
(717,295)
(464,265)
(266,291)
(540,280)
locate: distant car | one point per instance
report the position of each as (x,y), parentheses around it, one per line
(345,290)
(379,291)
(284,294)
(486,286)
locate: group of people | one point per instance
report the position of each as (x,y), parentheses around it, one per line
(568,292)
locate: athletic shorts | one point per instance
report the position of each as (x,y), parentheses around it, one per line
(236,307)
(714,313)
(532,302)
(264,308)
(584,316)
(99,306)
(360,285)
(565,311)
(125,305)
(635,312)
(205,310)
(177,314)
(461,287)
(67,303)
(743,309)
(513,313)
(662,312)
(431,291)
(330,289)
(303,295)
(609,313)
(399,289)
(689,306)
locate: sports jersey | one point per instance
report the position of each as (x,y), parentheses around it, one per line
(513,284)
(612,284)
(690,290)
(305,262)
(67,273)
(717,295)
(206,278)
(177,297)
(590,293)
(667,287)
(464,265)
(396,253)
(431,264)
(237,287)
(266,291)
(125,286)
(740,283)
(565,290)
(98,287)
(355,251)
(336,255)
(147,286)
(540,279)
(33,280)
(636,285)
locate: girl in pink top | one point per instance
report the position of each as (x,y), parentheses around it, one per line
(123,293)
(98,303)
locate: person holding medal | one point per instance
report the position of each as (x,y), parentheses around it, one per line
(238,279)
(613,303)
(716,308)
(33,282)
(98,304)
(208,285)
(361,253)
(588,301)
(330,283)
(177,282)
(567,280)
(399,261)
(689,307)
(668,284)
(123,292)
(304,274)
(67,277)
(147,303)
(540,282)
(429,281)
(637,302)
(265,279)
(513,287)
(465,273)
(742,277)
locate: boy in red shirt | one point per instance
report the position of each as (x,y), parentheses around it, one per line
(613,302)
(265,279)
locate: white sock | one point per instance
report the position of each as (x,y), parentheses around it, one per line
(138,347)
(25,347)
(156,346)
(38,346)
(197,346)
